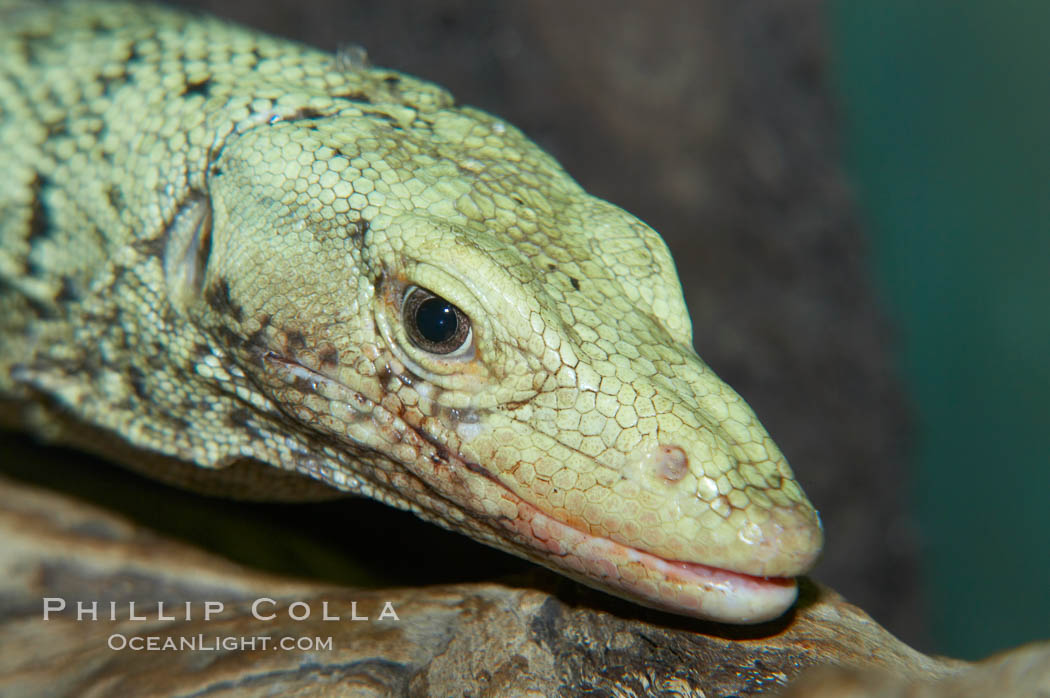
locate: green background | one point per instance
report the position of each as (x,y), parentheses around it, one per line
(946,110)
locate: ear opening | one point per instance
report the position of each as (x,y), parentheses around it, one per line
(188,249)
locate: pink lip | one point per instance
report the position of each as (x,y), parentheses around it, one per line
(688,588)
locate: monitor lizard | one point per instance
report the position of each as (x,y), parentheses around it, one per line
(232,261)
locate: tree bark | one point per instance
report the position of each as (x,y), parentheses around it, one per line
(543,636)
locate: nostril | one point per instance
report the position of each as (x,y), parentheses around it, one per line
(671,463)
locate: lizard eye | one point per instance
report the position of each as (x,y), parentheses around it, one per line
(434,324)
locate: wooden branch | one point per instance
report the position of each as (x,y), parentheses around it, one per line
(476,639)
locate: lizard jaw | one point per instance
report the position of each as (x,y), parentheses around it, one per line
(686,588)
(681,587)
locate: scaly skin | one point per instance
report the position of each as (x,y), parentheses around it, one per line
(208,236)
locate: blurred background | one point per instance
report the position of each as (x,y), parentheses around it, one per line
(946,112)
(856,195)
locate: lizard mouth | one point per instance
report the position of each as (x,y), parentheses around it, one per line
(688,588)
(677,586)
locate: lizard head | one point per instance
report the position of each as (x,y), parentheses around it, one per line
(464,332)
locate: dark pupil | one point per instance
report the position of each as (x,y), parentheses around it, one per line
(436,320)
